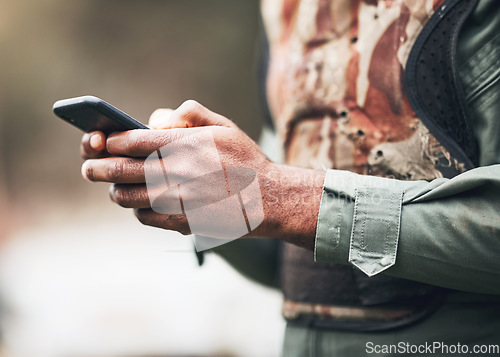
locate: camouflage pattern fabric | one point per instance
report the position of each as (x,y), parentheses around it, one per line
(336,95)
(335,86)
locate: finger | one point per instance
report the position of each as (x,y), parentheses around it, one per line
(142,143)
(174,222)
(114,170)
(93,145)
(130,195)
(160,119)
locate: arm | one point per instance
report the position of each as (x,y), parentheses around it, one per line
(290,196)
(436,253)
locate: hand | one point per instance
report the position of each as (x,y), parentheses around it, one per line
(290,196)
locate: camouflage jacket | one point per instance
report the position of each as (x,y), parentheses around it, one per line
(392,102)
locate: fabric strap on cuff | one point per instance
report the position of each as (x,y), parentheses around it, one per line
(375,228)
(359,221)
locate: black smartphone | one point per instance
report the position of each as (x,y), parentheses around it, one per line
(89,113)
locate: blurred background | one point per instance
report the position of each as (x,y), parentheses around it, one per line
(79,276)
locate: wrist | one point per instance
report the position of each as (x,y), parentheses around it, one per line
(291,199)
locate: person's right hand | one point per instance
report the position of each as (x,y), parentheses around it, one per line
(93,145)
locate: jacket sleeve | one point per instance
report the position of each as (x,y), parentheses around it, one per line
(256,259)
(445,232)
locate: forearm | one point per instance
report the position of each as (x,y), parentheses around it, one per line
(291,198)
(446,233)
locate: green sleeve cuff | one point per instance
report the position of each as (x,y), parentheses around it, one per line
(359,221)
(445,232)
(335,218)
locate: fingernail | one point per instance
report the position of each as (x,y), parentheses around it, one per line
(96,142)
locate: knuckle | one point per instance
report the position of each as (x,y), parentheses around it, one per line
(132,141)
(135,142)
(115,171)
(190,108)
